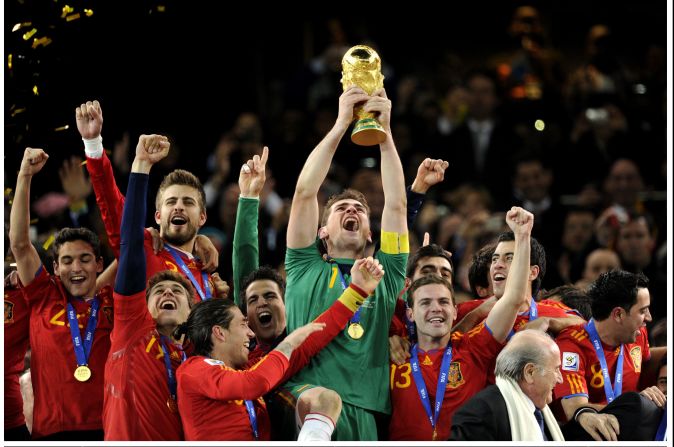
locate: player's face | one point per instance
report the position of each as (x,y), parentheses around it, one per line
(500,266)
(348,225)
(77,268)
(266,310)
(237,340)
(168,303)
(179,215)
(433,265)
(546,378)
(637,317)
(433,311)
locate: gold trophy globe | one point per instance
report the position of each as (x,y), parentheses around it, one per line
(361,66)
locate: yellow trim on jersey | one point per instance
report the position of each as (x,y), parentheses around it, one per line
(351,299)
(394,243)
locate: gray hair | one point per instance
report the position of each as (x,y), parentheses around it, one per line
(524,347)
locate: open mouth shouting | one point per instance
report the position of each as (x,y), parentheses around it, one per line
(265,318)
(178,220)
(351,224)
(168,304)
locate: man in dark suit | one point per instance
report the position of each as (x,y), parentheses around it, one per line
(516,408)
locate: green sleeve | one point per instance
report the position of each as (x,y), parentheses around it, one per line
(245,251)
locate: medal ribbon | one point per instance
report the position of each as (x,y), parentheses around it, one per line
(253,417)
(533,314)
(616,390)
(421,385)
(356,316)
(179,260)
(662,428)
(170,374)
(83,347)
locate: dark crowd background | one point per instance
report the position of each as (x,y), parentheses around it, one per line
(574,93)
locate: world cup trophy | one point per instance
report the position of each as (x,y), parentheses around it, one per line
(361,66)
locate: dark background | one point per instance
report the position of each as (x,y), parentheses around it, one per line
(191,69)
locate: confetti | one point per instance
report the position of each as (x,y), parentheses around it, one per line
(17,111)
(59,129)
(9,61)
(44,41)
(18,26)
(34,221)
(35,92)
(66,10)
(48,242)
(8,191)
(29,34)
(88,12)
(72,17)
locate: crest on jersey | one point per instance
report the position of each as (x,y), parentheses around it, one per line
(635,353)
(455,377)
(570,361)
(9,312)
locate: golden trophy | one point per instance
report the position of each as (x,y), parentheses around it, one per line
(361,66)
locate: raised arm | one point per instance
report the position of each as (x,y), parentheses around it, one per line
(110,201)
(394,216)
(303,221)
(245,250)
(131,274)
(27,259)
(502,316)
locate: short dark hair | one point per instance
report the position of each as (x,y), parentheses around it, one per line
(348,193)
(478,271)
(572,297)
(169,275)
(616,288)
(427,251)
(205,315)
(537,257)
(181,177)
(262,273)
(76,234)
(424,281)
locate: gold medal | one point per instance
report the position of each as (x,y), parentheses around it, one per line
(435,435)
(82,373)
(355,331)
(172,405)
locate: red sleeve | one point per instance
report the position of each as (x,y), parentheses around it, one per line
(398,326)
(216,381)
(335,319)
(573,364)
(108,198)
(547,310)
(462,309)
(38,289)
(482,345)
(130,315)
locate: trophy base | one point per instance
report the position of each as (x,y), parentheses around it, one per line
(368,132)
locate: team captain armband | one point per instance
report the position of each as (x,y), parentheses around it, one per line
(353,297)
(395,243)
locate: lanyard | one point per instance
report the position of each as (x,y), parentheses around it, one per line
(616,390)
(421,385)
(356,316)
(253,417)
(179,260)
(533,314)
(172,383)
(83,347)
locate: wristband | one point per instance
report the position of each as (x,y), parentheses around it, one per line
(93,148)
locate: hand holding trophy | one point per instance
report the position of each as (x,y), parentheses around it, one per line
(361,66)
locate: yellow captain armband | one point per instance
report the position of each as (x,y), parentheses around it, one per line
(352,299)
(395,243)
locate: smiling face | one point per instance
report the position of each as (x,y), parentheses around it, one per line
(77,267)
(168,303)
(639,314)
(179,214)
(266,310)
(347,227)
(545,377)
(236,343)
(433,311)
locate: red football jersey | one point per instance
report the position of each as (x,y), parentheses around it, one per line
(581,369)
(207,387)
(111,203)
(472,353)
(136,383)
(462,309)
(61,402)
(17,315)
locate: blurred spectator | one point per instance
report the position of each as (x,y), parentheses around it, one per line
(577,242)
(597,262)
(657,336)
